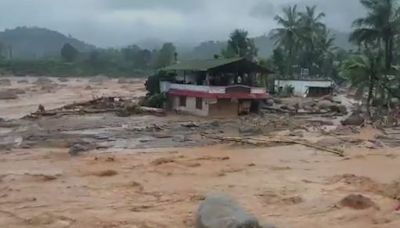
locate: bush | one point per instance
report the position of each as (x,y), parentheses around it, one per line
(155,101)
(153,82)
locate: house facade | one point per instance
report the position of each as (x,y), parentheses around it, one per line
(306,87)
(220,87)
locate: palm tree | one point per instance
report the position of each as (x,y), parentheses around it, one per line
(312,32)
(364,72)
(380,25)
(325,53)
(287,36)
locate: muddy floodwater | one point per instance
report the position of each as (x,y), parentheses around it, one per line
(153,171)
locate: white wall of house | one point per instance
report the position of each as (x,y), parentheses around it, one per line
(166,86)
(190,106)
(301,86)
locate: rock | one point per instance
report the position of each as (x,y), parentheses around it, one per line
(342,109)
(308,108)
(5,82)
(8,95)
(344,130)
(291,108)
(269,102)
(373,144)
(106,173)
(327,98)
(250,130)
(277,101)
(190,125)
(357,202)
(325,104)
(296,134)
(215,124)
(76,149)
(328,142)
(355,119)
(221,211)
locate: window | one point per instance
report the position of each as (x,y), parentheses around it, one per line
(199,103)
(182,101)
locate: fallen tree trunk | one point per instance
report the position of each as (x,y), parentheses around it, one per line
(271,142)
(62,112)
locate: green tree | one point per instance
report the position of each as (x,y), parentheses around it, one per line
(166,55)
(139,58)
(2,50)
(364,72)
(239,45)
(287,36)
(69,53)
(324,55)
(312,32)
(278,60)
(380,25)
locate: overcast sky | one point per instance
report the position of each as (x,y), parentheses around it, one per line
(108,23)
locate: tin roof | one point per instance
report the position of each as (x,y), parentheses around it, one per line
(210,64)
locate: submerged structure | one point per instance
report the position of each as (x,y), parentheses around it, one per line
(218,87)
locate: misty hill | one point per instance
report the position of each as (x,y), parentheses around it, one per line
(34,43)
(265,46)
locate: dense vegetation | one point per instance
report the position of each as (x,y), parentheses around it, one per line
(375,67)
(305,47)
(72,61)
(37,51)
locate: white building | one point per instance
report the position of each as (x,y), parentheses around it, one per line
(306,88)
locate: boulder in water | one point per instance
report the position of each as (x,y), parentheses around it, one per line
(221,211)
(76,149)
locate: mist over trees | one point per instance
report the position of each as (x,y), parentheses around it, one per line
(36,43)
(167,55)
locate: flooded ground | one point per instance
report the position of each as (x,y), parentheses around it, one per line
(152,171)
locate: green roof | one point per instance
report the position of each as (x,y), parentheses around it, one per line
(201,65)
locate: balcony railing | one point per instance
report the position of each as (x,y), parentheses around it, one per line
(166,86)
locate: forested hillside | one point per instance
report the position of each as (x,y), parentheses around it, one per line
(36,43)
